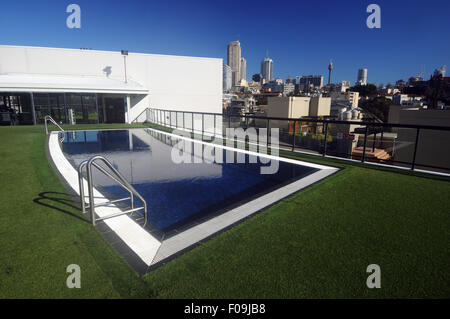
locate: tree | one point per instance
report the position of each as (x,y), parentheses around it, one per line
(297,92)
(378,106)
(307,89)
(256,77)
(364,90)
(435,92)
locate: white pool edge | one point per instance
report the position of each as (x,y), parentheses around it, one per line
(144,245)
(147,247)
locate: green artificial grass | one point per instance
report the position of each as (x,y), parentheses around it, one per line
(315,244)
(318,243)
(42,230)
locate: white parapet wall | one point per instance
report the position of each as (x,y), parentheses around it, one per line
(174,82)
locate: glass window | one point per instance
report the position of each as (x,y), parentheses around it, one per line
(90,114)
(41,106)
(101,111)
(25,115)
(74,104)
(57,110)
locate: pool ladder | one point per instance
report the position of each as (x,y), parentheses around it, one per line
(116,177)
(49,118)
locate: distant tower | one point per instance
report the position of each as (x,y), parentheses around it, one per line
(267,69)
(227,77)
(330,68)
(243,69)
(362,77)
(234,61)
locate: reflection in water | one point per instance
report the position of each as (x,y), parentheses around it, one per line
(81,142)
(175,193)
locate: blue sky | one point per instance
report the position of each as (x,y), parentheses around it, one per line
(301,36)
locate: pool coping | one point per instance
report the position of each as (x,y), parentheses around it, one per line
(141,249)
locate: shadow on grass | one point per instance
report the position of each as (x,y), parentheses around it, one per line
(46,199)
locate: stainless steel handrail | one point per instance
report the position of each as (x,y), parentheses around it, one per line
(49,118)
(120,180)
(80,182)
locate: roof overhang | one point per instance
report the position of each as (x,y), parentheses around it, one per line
(60,83)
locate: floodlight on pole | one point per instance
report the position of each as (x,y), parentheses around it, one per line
(125,53)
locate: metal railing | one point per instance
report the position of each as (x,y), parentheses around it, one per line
(49,118)
(186,120)
(136,119)
(408,146)
(118,178)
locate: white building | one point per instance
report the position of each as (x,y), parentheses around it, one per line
(105,86)
(408,100)
(362,77)
(298,106)
(352,98)
(243,69)
(342,102)
(290,107)
(267,69)
(319,106)
(288,88)
(227,78)
(254,87)
(345,85)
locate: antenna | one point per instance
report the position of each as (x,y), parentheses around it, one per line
(422,71)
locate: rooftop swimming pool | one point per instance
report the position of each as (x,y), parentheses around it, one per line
(177,195)
(189,201)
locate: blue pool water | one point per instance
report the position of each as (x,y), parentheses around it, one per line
(176,194)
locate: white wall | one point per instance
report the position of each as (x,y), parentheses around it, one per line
(292,107)
(174,82)
(319,106)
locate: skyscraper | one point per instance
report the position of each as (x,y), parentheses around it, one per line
(267,69)
(243,69)
(234,61)
(227,78)
(362,77)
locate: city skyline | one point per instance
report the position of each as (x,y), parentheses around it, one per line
(410,37)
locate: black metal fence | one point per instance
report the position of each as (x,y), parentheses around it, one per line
(415,147)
